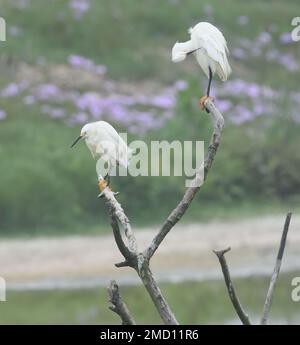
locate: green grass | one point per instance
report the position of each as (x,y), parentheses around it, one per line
(192,302)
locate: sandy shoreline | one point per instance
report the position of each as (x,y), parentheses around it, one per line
(84,261)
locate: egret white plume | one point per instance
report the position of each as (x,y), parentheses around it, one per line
(209,47)
(105,144)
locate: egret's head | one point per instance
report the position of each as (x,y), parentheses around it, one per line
(85,133)
(178,52)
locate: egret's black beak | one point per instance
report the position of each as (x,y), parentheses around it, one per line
(193,51)
(76,141)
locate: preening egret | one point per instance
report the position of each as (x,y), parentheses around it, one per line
(209,47)
(107,145)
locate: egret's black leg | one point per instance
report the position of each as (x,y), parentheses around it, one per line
(209,82)
(107,179)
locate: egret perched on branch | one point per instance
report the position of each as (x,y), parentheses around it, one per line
(107,145)
(209,47)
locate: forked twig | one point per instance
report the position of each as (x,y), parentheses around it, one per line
(117,304)
(230,288)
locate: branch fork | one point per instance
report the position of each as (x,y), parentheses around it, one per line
(124,236)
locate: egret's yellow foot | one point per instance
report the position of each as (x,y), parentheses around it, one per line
(102,185)
(203,99)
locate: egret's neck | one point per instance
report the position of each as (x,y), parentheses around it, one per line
(187,46)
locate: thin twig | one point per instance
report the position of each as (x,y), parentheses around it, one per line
(231,291)
(180,209)
(117,304)
(269,297)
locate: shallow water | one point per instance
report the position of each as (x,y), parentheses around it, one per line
(193,302)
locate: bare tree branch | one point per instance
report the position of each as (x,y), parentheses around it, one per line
(231,291)
(140,261)
(116,209)
(141,265)
(269,297)
(156,295)
(123,248)
(117,304)
(180,209)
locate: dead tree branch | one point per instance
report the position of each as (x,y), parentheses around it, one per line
(117,304)
(231,291)
(180,209)
(141,265)
(116,209)
(140,260)
(276,271)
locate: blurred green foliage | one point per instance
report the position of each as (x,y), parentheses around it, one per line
(45,185)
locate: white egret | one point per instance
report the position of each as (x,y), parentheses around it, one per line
(107,145)
(209,47)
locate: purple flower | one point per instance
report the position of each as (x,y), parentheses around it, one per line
(288,61)
(80,61)
(181,85)
(15,31)
(57,113)
(239,87)
(91,102)
(48,92)
(166,101)
(79,118)
(252,90)
(146,120)
(242,20)
(242,115)
(264,38)
(119,113)
(100,69)
(267,92)
(224,105)
(258,109)
(11,90)
(86,64)
(2,114)
(285,38)
(239,53)
(79,7)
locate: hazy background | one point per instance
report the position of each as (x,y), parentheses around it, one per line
(68,62)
